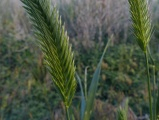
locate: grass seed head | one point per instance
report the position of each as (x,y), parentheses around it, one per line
(141,22)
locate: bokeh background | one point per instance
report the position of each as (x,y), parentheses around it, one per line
(26,89)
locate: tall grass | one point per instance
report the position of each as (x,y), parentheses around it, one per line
(142,27)
(101,19)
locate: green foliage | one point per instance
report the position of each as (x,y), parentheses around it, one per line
(120,79)
(54,43)
(122,76)
(22,97)
(87,102)
(93,88)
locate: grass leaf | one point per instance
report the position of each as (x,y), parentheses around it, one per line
(83,101)
(93,87)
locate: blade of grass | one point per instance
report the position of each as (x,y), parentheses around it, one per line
(93,87)
(85,82)
(83,101)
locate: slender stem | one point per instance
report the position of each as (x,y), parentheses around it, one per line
(67,113)
(85,83)
(154,84)
(149,85)
(154,93)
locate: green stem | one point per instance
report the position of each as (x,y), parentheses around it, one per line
(149,85)
(154,93)
(154,85)
(67,113)
(85,83)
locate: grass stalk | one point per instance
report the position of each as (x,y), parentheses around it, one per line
(149,85)
(141,22)
(85,83)
(154,84)
(154,93)
(67,113)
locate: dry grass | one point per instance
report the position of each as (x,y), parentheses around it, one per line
(86,20)
(92,21)
(13,19)
(95,20)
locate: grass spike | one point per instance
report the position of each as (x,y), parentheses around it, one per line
(54,43)
(141,22)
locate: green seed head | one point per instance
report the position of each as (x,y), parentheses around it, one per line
(141,22)
(54,42)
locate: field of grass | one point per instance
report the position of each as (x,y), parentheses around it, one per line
(26,89)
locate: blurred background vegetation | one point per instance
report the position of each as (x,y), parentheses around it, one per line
(26,89)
